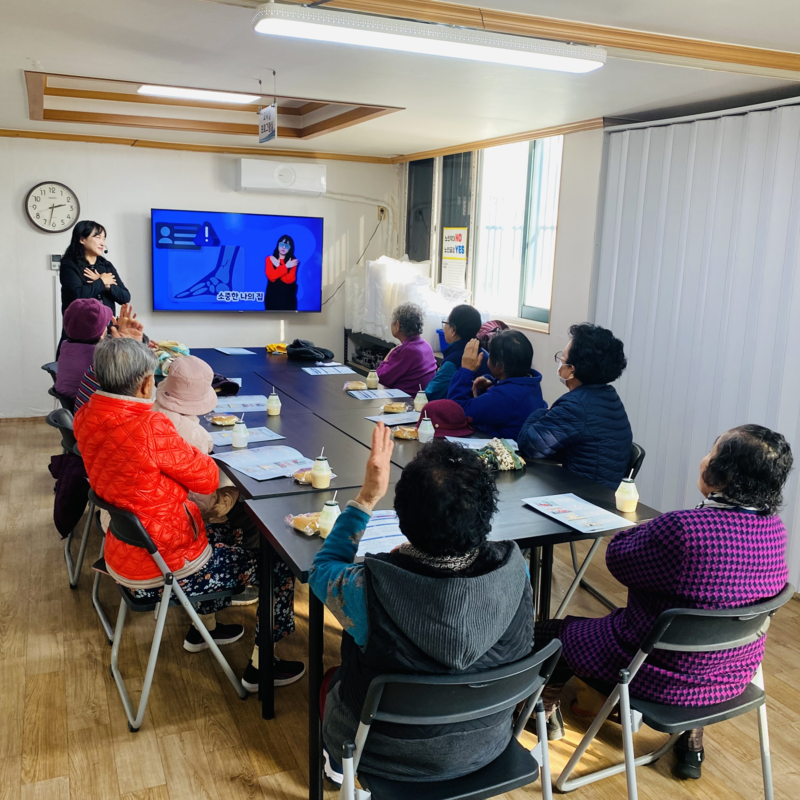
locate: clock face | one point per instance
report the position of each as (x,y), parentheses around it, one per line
(52,207)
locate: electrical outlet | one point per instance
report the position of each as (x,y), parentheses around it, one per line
(382,213)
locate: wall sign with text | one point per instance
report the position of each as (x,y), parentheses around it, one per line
(454,257)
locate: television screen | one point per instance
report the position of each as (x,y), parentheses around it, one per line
(212,261)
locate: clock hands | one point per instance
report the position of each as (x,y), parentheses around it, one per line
(52,209)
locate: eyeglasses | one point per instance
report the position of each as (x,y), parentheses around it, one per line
(559,359)
(445,322)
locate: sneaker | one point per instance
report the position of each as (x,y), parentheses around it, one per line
(688,763)
(222,635)
(555,726)
(285,672)
(246,598)
(332,770)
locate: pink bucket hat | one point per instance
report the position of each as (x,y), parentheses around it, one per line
(187,388)
(448,418)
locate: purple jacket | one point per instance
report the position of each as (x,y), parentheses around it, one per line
(702,558)
(409,366)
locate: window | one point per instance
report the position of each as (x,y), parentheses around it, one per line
(419,209)
(516,234)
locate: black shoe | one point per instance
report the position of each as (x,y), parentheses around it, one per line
(555,726)
(285,672)
(688,763)
(222,634)
(332,770)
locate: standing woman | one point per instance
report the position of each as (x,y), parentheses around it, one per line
(281,273)
(84,273)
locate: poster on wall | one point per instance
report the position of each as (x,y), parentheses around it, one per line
(454,257)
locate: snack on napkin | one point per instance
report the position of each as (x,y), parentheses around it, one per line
(354,386)
(405,432)
(395,408)
(303,476)
(224,419)
(305,523)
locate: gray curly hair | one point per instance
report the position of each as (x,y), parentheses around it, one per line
(410,317)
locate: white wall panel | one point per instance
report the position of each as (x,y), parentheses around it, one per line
(697,253)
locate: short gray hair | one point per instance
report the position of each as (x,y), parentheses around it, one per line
(410,317)
(120,365)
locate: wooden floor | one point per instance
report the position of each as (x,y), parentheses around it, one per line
(63,732)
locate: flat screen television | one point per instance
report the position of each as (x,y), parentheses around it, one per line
(217,261)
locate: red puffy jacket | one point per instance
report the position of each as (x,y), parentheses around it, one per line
(136,460)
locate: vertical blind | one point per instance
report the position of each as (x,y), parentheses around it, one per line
(695,271)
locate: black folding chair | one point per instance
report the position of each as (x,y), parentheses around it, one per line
(61,420)
(684,630)
(128,529)
(634,465)
(448,699)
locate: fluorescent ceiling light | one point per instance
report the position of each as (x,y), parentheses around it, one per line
(198,94)
(325,25)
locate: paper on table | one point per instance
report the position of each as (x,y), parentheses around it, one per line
(570,510)
(476,444)
(329,370)
(329,363)
(377,394)
(235,351)
(265,463)
(223,438)
(240,404)
(382,534)
(407,418)
(236,380)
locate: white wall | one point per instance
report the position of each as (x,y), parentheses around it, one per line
(118,186)
(577,216)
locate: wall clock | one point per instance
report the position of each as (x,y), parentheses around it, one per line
(52,207)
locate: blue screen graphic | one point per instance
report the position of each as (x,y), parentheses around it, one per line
(211,261)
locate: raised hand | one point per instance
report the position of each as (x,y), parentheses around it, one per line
(379,465)
(126,326)
(472,357)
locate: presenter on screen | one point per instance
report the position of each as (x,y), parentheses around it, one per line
(85,273)
(281,294)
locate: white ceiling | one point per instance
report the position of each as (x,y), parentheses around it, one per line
(446,102)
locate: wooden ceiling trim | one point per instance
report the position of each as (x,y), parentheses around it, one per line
(308,108)
(35,87)
(344,120)
(526,136)
(164,123)
(568,31)
(262,152)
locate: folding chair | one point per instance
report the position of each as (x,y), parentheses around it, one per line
(447,699)
(128,529)
(684,631)
(634,465)
(61,420)
(51,368)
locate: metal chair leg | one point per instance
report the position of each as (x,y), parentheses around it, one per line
(544,770)
(766,758)
(627,734)
(135,722)
(74,570)
(579,573)
(98,606)
(585,585)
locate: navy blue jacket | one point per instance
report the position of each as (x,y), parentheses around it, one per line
(501,409)
(587,429)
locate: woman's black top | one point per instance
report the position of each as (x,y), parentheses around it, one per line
(75,285)
(280,296)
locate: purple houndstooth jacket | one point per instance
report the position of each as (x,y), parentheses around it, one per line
(702,558)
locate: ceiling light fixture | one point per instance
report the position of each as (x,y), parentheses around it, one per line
(387,33)
(198,94)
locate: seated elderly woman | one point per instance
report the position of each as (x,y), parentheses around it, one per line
(411,364)
(460,328)
(136,460)
(447,602)
(586,428)
(726,553)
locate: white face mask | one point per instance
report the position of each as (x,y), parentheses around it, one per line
(558,371)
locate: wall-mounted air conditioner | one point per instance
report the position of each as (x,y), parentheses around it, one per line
(257,175)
